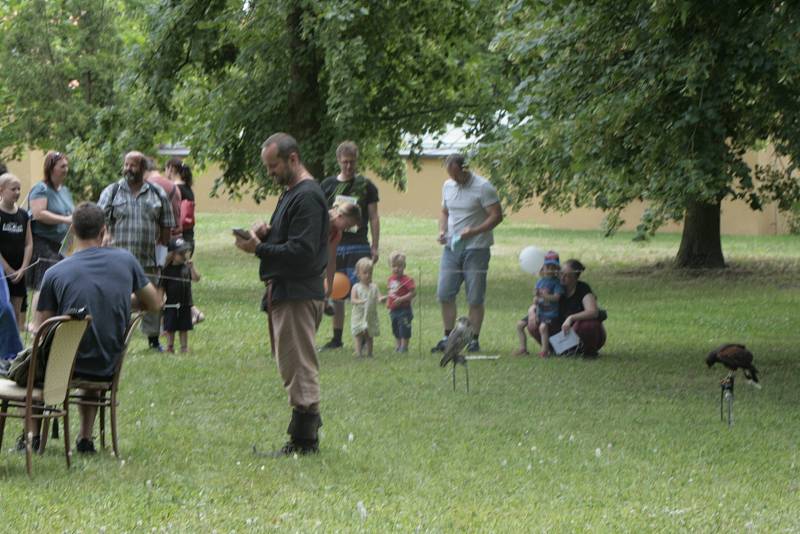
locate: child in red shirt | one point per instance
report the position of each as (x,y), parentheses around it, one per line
(402,291)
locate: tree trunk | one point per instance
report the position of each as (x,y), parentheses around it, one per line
(305,104)
(701,246)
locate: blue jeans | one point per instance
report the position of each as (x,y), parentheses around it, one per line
(401,322)
(346,258)
(468,266)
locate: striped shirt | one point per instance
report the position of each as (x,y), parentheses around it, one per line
(135,223)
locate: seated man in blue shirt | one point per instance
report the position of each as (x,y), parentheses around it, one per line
(107,282)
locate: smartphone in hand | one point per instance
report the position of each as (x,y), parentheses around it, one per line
(242,234)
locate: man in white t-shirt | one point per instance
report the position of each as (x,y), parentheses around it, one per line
(470,210)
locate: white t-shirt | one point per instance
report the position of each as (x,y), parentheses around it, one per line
(466,205)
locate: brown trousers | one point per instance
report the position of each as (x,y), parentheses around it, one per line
(295,324)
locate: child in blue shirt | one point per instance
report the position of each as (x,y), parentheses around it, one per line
(544,311)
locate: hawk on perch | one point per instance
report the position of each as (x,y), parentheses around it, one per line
(734,356)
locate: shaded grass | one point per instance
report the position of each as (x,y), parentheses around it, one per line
(629,442)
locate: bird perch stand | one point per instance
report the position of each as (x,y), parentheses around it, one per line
(726,398)
(463,361)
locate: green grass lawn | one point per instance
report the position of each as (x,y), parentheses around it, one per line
(629,442)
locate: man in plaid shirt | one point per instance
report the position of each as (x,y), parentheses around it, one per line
(138,217)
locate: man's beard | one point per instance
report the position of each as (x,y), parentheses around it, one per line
(283,179)
(132,177)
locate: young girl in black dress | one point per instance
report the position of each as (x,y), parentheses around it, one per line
(176,281)
(16,243)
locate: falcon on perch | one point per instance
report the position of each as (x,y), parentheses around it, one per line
(459,337)
(734,356)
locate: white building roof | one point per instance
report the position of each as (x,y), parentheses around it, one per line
(453,140)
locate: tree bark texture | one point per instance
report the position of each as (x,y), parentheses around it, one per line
(305,101)
(701,246)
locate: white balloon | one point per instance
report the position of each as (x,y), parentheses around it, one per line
(531,259)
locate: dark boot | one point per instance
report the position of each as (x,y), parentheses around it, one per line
(303,432)
(303,435)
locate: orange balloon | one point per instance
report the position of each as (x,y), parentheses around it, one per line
(341,286)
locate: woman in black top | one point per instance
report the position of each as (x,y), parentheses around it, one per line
(578,310)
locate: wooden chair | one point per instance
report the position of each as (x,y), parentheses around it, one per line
(49,401)
(107,391)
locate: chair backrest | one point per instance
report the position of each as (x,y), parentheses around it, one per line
(128,336)
(132,328)
(61,359)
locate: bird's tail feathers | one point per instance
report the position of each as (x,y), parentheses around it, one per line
(751,374)
(754,384)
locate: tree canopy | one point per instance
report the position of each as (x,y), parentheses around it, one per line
(68,84)
(376,72)
(656,101)
(594,104)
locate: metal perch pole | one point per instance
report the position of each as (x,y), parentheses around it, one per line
(726,394)
(419,312)
(460,359)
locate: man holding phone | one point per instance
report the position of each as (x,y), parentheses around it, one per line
(293,250)
(242,233)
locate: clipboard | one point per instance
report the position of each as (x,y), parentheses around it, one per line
(561,343)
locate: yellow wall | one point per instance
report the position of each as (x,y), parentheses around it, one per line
(423,199)
(28,170)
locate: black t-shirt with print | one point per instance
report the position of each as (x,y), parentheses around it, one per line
(13,229)
(364,192)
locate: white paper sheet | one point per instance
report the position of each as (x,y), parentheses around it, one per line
(562,343)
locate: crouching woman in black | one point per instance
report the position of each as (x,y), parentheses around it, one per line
(578,311)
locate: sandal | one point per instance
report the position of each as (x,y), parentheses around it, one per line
(197,316)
